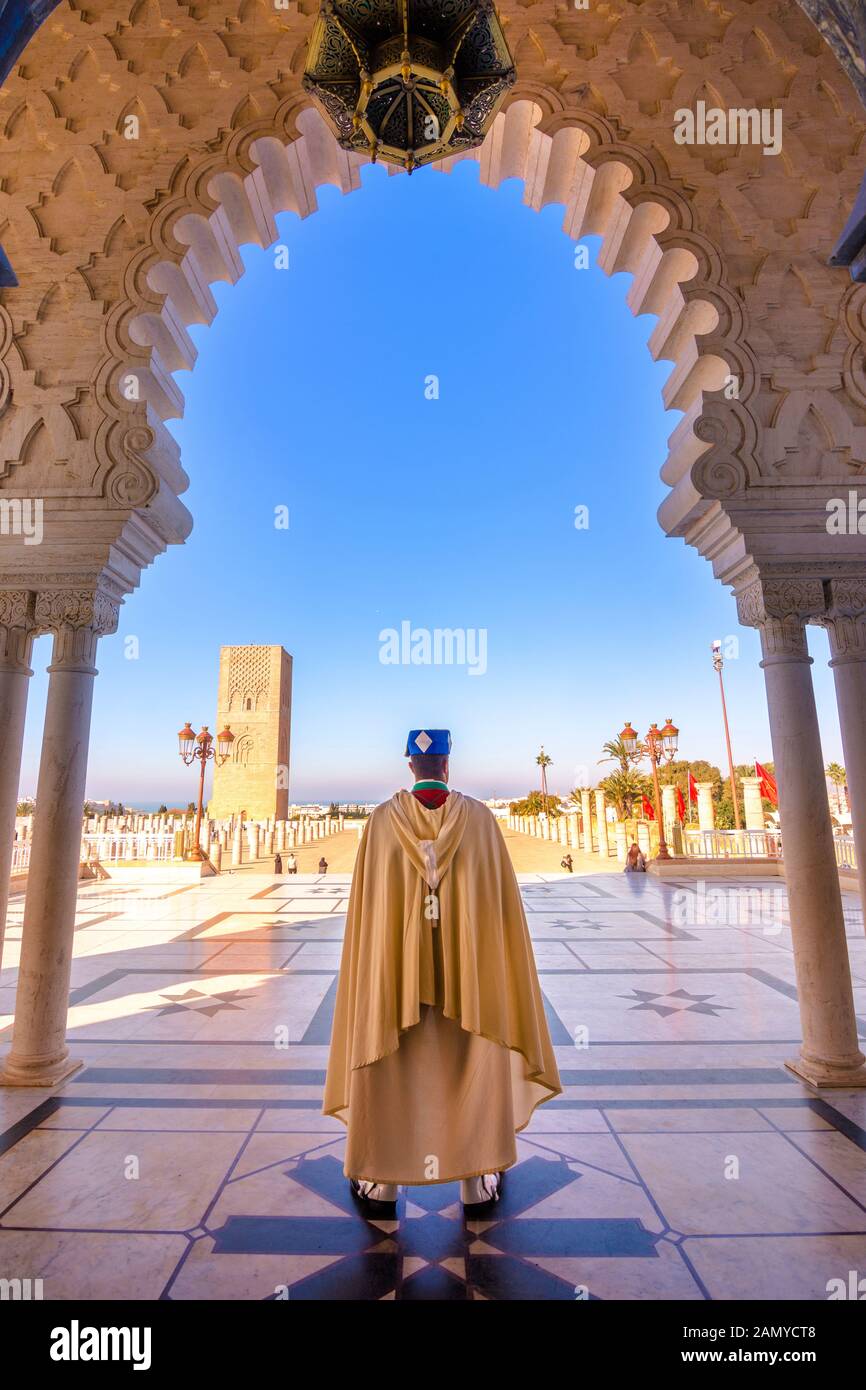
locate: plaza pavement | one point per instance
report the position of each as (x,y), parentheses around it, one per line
(528,854)
(189,1159)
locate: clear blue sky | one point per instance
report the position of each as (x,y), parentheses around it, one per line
(459,512)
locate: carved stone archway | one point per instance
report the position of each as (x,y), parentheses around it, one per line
(116,240)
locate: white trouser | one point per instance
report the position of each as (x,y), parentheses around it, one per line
(471,1190)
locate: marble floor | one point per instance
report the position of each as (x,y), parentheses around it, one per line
(188,1159)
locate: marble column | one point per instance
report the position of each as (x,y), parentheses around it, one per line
(601,818)
(621,842)
(753,809)
(830,1054)
(16,641)
(39,1055)
(669,812)
(587,819)
(706,811)
(848,660)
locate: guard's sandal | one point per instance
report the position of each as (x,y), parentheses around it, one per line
(374,1198)
(480,1195)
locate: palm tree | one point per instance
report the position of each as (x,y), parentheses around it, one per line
(623,787)
(617,753)
(544,762)
(837,775)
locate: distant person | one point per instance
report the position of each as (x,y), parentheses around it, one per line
(440,1049)
(635,860)
(323,865)
(567,863)
(291,864)
(278,863)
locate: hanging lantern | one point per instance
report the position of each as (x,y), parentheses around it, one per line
(408,81)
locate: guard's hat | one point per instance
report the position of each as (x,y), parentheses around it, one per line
(435,742)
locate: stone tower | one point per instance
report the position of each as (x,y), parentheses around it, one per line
(255,700)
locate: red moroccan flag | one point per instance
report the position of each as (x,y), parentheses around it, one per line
(648,809)
(693,788)
(681,805)
(769,790)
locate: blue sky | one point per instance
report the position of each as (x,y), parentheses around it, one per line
(456,512)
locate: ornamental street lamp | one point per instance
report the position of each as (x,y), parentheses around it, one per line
(718,663)
(660,746)
(408,81)
(192,747)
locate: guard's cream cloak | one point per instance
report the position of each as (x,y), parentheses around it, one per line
(464,977)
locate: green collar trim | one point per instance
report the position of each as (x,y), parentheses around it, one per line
(429,786)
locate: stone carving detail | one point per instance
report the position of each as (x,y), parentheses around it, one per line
(780,608)
(116,241)
(249,677)
(74,609)
(16,630)
(727,467)
(131,483)
(847,637)
(16,608)
(845,620)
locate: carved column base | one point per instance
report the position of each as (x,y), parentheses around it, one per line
(38,1071)
(821,1074)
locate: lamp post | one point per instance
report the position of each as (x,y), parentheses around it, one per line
(660,745)
(201,747)
(718,663)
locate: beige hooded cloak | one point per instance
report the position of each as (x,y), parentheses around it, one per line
(440,1049)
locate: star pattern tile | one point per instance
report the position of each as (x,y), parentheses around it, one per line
(698,1003)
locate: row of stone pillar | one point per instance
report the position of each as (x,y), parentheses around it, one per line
(573,829)
(779,608)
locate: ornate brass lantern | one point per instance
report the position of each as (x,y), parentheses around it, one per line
(408,81)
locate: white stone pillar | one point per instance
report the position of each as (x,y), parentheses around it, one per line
(753,809)
(601,819)
(16,642)
(621,842)
(238,846)
(830,1055)
(848,660)
(706,812)
(39,1055)
(669,811)
(573,837)
(587,819)
(216,856)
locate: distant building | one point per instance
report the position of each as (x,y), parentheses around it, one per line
(255,700)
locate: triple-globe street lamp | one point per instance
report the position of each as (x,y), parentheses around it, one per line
(660,746)
(200,747)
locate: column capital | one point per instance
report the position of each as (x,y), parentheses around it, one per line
(56,609)
(17,630)
(78,618)
(845,619)
(780,607)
